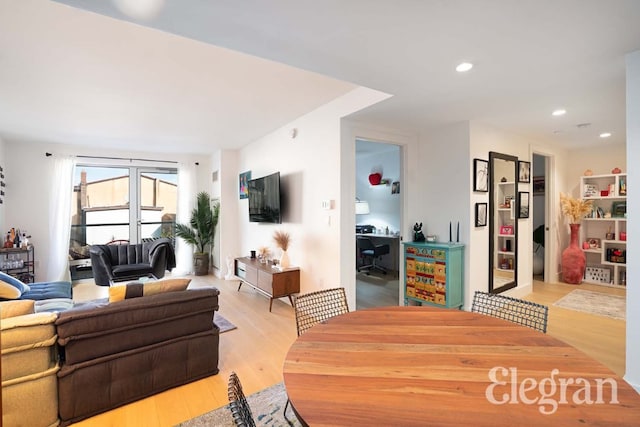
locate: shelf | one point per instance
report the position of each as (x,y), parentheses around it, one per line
(505,269)
(507,235)
(604,197)
(615,242)
(593,251)
(506,253)
(620,264)
(613,218)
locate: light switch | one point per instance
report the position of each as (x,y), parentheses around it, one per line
(327,204)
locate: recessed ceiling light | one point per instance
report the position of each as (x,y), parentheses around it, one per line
(605,134)
(559,112)
(464,67)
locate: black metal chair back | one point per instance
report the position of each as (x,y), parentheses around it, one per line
(315,307)
(515,310)
(240,410)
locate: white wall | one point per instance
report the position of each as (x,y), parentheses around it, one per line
(633,223)
(28,173)
(384,206)
(308,167)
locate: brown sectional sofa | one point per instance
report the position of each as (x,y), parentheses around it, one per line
(119,352)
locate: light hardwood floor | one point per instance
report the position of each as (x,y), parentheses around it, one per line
(256,350)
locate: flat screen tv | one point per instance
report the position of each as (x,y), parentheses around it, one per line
(264,199)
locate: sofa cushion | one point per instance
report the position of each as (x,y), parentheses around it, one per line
(131,270)
(98,385)
(98,329)
(8,291)
(16,283)
(31,400)
(27,344)
(16,308)
(27,330)
(48,290)
(137,289)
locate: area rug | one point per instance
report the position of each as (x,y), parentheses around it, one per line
(223,323)
(266,405)
(612,306)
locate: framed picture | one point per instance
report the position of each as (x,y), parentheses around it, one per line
(243,184)
(592,243)
(481,214)
(524,171)
(523,204)
(395,187)
(538,185)
(480,175)
(506,229)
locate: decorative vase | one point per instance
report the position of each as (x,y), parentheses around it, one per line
(284,260)
(573,259)
(201,264)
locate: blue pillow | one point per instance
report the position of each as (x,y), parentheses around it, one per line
(21,286)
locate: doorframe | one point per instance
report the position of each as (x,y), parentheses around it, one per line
(350,131)
(401,150)
(550,212)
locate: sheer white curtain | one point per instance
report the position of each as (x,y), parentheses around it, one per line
(60,218)
(186,200)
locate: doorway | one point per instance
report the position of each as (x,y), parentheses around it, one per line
(378,222)
(540,193)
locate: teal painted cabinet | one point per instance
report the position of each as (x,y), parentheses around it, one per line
(433,274)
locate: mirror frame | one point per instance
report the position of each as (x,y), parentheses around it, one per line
(492,207)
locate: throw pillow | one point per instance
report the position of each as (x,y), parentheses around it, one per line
(8,291)
(16,308)
(137,289)
(16,283)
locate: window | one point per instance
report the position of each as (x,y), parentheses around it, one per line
(119,205)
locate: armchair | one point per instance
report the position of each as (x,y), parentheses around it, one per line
(117,263)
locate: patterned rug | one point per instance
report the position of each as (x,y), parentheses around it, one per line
(223,323)
(612,306)
(266,406)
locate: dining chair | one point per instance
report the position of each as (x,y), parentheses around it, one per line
(515,310)
(316,307)
(240,410)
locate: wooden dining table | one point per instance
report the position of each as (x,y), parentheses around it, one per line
(424,366)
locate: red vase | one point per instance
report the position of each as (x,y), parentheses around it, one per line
(573,259)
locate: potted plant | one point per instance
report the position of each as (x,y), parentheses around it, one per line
(201,231)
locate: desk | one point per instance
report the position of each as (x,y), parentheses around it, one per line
(417,366)
(390,261)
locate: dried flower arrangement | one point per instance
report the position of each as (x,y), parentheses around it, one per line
(282,239)
(263,252)
(575,209)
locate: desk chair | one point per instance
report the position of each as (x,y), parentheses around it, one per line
(367,249)
(515,310)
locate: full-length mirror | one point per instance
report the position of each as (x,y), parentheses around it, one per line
(503,223)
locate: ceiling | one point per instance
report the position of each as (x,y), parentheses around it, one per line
(198,75)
